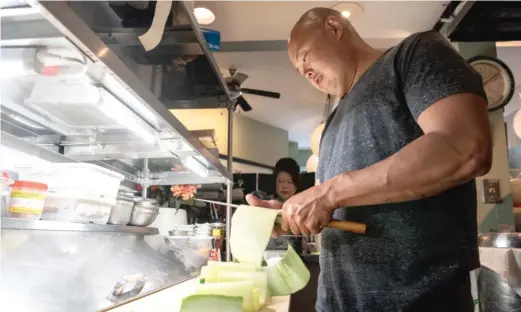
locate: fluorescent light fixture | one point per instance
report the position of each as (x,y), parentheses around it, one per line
(204,16)
(129,98)
(508,44)
(26,122)
(114,109)
(14,12)
(194,165)
(10,69)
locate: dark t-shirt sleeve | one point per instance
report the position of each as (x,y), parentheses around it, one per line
(431,69)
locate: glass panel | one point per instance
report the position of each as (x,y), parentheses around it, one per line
(57,94)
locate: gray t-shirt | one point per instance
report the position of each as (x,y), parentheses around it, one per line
(411,248)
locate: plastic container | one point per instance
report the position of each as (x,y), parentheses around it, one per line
(81,179)
(72,208)
(190,244)
(27,199)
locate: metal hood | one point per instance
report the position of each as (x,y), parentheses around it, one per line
(181,69)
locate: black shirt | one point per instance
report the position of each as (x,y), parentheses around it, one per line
(411,247)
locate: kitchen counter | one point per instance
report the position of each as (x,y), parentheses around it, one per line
(169,300)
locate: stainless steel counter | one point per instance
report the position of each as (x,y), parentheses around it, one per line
(74,270)
(22,224)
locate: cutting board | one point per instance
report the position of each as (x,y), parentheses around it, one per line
(169,300)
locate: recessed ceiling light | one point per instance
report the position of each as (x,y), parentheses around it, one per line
(346,14)
(349,10)
(204,16)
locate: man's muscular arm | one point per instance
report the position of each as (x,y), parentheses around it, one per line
(455,148)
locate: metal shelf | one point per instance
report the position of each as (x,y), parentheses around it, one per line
(115,75)
(45,225)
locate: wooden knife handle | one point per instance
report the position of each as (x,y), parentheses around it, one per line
(348,226)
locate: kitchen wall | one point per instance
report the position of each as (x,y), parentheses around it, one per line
(252,140)
(491,216)
(302,157)
(293,149)
(511,57)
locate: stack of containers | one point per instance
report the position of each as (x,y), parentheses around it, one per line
(78,192)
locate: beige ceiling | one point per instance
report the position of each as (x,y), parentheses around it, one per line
(300,108)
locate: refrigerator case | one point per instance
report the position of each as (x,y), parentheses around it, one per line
(75,88)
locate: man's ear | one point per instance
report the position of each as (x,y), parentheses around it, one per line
(335,27)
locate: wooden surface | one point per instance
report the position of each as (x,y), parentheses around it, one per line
(169,300)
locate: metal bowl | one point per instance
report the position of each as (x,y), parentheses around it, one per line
(144,212)
(500,240)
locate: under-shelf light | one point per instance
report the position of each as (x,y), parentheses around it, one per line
(194,165)
(26,122)
(12,68)
(114,109)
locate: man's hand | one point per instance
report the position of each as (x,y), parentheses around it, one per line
(273,204)
(308,212)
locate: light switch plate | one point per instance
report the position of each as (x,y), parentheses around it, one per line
(491,191)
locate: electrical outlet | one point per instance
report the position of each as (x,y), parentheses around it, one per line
(491,191)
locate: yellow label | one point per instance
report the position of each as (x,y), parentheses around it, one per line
(27,195)
(216,233)
(25,210)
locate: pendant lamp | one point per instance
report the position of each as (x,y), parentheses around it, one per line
(311,164)
(315,138)
(317,133)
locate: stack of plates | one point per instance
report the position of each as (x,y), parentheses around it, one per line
(203,230)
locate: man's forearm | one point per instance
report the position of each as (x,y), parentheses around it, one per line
(431,164)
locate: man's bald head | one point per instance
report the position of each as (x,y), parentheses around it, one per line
(316,19)
(323,46)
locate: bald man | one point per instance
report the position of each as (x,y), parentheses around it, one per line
(400,154)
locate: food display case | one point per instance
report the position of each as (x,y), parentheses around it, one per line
(77,86)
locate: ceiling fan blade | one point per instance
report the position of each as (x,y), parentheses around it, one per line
(274,95)
(239,78)
(245,106)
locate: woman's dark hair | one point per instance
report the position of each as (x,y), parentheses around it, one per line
(290,166)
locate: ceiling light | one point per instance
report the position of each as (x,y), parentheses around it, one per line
(204,16)
(349,10)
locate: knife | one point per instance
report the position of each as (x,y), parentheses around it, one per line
(347,226)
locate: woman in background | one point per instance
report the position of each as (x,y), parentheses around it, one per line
(287,180)
(287,184)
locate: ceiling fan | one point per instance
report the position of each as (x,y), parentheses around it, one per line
(235,82)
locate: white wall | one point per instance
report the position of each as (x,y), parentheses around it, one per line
(491,216)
